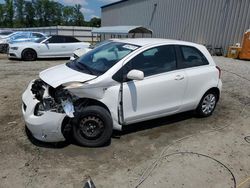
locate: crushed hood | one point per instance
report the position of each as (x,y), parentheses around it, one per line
(61,74)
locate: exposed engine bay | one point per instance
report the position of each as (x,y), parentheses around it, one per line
(52,99)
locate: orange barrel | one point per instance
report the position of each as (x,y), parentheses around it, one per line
(245,51)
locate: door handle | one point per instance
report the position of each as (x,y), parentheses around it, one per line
(179,77)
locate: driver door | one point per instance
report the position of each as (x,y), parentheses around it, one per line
(160,92)
(53,47)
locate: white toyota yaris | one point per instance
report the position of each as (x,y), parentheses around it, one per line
(117,84)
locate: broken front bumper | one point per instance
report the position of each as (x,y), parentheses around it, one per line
(46,127)
(4,48)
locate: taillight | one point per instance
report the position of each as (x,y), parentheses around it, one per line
(219,71)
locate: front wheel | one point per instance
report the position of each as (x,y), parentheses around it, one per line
(29,55)
(93,127)
(207,104)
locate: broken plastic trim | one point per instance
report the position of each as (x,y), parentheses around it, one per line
(68,108)
(73,85)
(55,100)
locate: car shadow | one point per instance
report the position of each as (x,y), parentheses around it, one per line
(56,145)
(53,59)
(164,121)
(133,128)
(41,59)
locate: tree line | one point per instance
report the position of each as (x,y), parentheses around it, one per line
(39,13)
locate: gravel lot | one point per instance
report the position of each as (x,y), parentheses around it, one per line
(177,151)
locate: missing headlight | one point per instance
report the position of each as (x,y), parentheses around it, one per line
(51,99)
(39,109)
(38,89)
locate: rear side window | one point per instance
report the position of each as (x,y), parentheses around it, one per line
(69,39)
(56,39)
(192,57)
(37,35)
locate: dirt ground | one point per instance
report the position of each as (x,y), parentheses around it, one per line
(177,151)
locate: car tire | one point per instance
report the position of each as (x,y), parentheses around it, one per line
(93,126)
(207,104)
(29,55)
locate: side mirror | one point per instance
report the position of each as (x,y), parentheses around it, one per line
(135,75)
(46,42)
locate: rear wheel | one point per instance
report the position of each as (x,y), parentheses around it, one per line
(93,127)
(207,104)
(29,55)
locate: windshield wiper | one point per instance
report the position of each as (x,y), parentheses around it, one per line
(79,65)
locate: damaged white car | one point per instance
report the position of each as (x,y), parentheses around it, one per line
(98,92)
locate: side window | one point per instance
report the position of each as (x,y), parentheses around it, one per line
(192,57)
(37,35)
(150,52)
(71,39)
(56,39)
(21,36)
(153,61)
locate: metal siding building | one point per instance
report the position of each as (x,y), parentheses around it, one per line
(81,33)
(219,23)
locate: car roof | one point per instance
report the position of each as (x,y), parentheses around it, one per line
(154,41)
(61,36)
(28,32)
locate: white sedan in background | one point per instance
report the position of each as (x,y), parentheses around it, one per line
(51,47)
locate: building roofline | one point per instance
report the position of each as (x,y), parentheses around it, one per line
(125,30)
(111,4)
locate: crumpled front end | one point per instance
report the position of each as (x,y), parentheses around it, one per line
(45,109)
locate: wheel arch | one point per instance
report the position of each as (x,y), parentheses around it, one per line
(112,109)
(215,90)
(28,49)
(66,131)
(92,102)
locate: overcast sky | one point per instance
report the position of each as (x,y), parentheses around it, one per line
(91,8)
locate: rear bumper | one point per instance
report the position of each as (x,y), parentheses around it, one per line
(220,85)
(46,127)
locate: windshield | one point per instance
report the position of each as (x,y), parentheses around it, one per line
(99,44)
(20,36)
(12,34)
(102,58)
